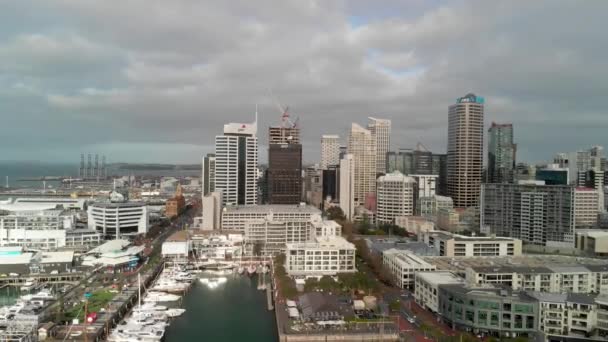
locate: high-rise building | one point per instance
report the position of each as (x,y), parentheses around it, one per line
(539,214)
(208,176)
(362,145)
(578,163)
(284,174)
(347,186)
(330,182)
(421,162)
(381,132)
(501,153)
(465,150)
(283,135)
(395,197)
(236,164)
(330,150)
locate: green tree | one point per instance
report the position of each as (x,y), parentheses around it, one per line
(257,248)
(327,283)
(335,213)
(311,284)
(364,225)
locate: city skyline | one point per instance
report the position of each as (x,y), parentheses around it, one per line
(139,98)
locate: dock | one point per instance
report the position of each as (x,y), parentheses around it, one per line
(269,297)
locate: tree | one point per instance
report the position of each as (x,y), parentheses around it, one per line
(327,283)
(364,225)
(311,284)
(335,213)
(257,248)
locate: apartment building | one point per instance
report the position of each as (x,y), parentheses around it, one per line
(403,265)
(454,245)
(328,255)
(427,287)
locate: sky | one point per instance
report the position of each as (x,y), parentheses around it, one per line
(155,81)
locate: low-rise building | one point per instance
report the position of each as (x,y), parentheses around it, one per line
(415,225)
(237,217)
(592,241)
(566,315)
(454,245)
(403,265)
(325,256)
(429,206)
(34,228)
(203,244)
(118,219)
(427,287)
(175,204)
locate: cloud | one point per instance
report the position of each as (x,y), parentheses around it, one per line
(147,74)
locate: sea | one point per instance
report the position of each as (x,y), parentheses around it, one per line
(234,311)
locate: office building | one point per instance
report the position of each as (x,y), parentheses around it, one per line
(286,133)
(586,209)
(524,172)
(236,164)
(212,211)
(330,150)
(35,228)
(465,150)
(381,132)
(552,174)
(426,285)
(419,161)
(501,153)
(313,186)
(331,182)
(580,162)
(329,255)
(592,242)
(403,265)
(454,245)
(533,212)
(284,173)
(395,197)
(362,146)
(117,220)
(208,176)
(347,186)
(426,186)
(428,207)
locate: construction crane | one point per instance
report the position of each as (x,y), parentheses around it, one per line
(285,119)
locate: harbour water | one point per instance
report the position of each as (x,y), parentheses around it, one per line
(234,311)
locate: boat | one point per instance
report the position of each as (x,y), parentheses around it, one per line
(251,270)
(160,297)
(29,285)
(150,307)
(175,312)
(171,286)
(241,269)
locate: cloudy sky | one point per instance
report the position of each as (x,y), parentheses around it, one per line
(154,81)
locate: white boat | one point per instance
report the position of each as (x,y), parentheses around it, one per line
(251,270)
(160,297)
(150,307)
(175,312)
(241,269)
(170,286)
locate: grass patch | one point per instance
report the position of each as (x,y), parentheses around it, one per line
(98,300)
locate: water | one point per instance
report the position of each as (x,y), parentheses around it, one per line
(17,170)
(234,311)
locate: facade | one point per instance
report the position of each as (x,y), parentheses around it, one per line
(236,164)
(176,204)
(454,245)
(43,203)
(465,150)
(586,208)
(419,162)
(235,218)
(395,197)
(488,311)
(415,225)
(426,185)
(325,256)
(208,176)
(403,265)
(458,219)
(501,153)
(362,146)
(533,212)
(330,150)
(283,135)
(313,186)
(203,245)
(347,186)
(429,207)
(331,182)
(36,229)
(118,219)
(284,177)
(212,211)
(381,131)
(592,242)
(553,175)
(566,315)
(427,284)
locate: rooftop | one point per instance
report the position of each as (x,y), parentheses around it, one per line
(440,277)
(407,258)
(530,262)
(323,242)
(275,208)
(117,204)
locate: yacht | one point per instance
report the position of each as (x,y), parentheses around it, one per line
(160,297)
(172,286)
(251,270)
(175,312)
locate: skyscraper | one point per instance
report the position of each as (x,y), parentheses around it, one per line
(395,197)
(501,153)
(236,163)
(362,145)
(347,186)
(381,132)
(330,150)
(284,174)
(465,150)
(208,176)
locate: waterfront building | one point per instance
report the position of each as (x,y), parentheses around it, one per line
(330,150)
(536,213)
(429,207)
(426,286)
(395,197)
(44,203)
(208,176)
(454,245)
(488,311)
(82,238)
(216,245)
(212,211)
(118,219)
(236,164)
(284,174)
(465,150)
(328,255)
(176,204)
(501,153)
(381,133)
(362,146)
(403,265)
(347,186)
(36,229)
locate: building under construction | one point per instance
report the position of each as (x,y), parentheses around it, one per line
(92,169)
(284,174)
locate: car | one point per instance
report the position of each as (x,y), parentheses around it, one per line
(411,320)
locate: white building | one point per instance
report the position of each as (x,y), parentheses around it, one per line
(381,132)
(212,211)
(42,203)
(427,287)
(425,185)
(362,145)
(454,245)
(414,224)
(347,186)
(429,206)
(330,150)
(236,156)
(403,265)
(568,315)
(38,229)
(586,207)
(324,256)
(395,197)
(118,219)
